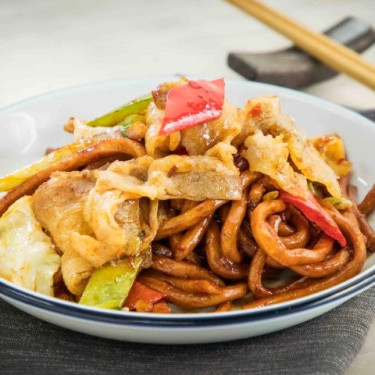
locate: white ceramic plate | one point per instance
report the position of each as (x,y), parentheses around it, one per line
(27,128)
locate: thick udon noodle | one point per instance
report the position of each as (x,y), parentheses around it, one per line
(253,251)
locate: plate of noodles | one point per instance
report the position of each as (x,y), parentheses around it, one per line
(175,210)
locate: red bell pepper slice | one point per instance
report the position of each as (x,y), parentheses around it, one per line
(316,214)
(193,104)
(140,291)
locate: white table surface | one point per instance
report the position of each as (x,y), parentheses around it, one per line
(47,45)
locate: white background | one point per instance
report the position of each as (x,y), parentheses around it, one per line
(48,45)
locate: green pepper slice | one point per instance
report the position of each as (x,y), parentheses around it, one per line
(134,107)
(110,284)
(16,178)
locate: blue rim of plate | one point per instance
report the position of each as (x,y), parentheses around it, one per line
(132,320)
(54,305)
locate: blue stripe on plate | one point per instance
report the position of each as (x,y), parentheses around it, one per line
(168,322)
(52,304)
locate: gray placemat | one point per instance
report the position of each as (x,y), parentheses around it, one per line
(325,345)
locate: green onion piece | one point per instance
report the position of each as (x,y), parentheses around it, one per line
(339,203)
(135,107)
(131,119)
(313,189)
(128,121)
(110,284)
(270,196)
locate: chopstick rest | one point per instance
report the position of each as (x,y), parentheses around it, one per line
(369,113)
(293,67)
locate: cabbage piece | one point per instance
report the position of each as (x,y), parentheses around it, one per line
(224,152)
(264,113)
(27,255)
(174,176)
(197,139)
(118,227)
(58,206)
(306,157)
(76,271)
(200,138)
(257,112)
(303,154)
(331,147)
(158,145)
(97,226)
(194,177)
(82,130)
(130,177)
(269,155)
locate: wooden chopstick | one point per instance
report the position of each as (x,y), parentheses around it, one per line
(326,50)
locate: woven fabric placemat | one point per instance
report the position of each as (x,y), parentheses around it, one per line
(324,345)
